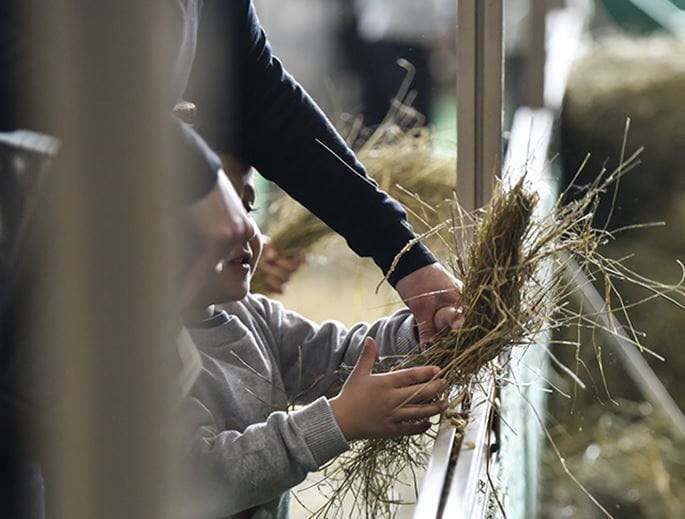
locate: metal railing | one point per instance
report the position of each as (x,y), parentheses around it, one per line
(458,481)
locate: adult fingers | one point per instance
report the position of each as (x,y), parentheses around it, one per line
(426,328)
(416,412)
(425,291)
(449,317)
(412,376)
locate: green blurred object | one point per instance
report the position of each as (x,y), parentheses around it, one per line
(645,16)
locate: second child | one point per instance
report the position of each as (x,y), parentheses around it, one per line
(247,449)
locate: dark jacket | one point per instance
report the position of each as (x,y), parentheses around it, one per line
(248,104)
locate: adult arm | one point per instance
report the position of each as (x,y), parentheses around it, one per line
(248,104)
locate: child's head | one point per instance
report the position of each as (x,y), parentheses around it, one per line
(231,279)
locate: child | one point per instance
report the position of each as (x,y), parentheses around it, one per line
(257,358)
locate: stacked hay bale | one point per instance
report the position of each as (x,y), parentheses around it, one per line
(632,463)
(643,79)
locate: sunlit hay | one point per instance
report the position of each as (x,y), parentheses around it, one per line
(627,458)
(368,477)
(295,229)
(402,162)
(514,288)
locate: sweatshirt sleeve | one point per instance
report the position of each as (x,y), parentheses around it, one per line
(275,127)
(232,471)
(309,353)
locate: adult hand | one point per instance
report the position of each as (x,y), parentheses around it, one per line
(277,269)
(217,224)
(434,298)
(387,404)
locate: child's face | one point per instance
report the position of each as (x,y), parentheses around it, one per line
(231,281)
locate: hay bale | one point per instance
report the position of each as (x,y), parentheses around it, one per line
(644,79)
(620,77)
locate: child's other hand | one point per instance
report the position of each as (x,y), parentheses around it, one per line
(388,404)
(276,268)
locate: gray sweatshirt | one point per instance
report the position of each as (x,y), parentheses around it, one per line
(257,359)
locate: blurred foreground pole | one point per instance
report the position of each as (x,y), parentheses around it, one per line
(106,260)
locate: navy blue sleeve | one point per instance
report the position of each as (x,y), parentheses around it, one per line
(273,124)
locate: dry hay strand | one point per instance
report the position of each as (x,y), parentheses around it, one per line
(402,163)
(643,77)
(514,289)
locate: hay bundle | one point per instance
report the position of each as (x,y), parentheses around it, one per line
(495,271)
(507,303)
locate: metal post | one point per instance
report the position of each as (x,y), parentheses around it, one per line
(479,157)
(535,54)
(479,100)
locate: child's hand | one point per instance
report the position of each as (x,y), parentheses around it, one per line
(276,268)
(388,404)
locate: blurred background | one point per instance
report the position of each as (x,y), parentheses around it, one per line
(361,60)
